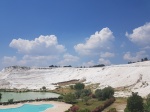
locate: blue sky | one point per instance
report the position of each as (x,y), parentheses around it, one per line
(73,32)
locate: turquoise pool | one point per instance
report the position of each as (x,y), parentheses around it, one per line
(28,108)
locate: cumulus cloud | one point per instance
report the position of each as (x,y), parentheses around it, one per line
(107,55)
(140,35)
(99,41)
(134,57)
(40,60)
(146,48)
(9,61)
(43,45)
(68,59)
(104,61)
(28,60)
(88,64)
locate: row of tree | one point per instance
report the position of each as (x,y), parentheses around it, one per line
(143,59)
(55,66)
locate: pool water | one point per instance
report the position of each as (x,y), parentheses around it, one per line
(26,96)
(28,108)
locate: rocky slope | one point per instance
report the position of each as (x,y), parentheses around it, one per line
(125,78)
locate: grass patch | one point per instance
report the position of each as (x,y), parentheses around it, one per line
(92,104)
(63,90)
(119,104)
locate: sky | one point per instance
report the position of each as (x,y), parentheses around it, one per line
(40,33)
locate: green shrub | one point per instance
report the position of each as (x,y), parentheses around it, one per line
(134,103)
(86,92)
(98,94)
(78,93)
(79,86)
(70,98)
(60,97)
(105,93)
(10,100)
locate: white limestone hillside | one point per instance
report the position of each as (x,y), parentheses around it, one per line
(126,78)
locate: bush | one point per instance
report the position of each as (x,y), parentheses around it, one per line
(108,92)
(60,97)
(86,99)
(134,103)
(98,94)
(86,92)
(105,93)
(70,98)
(78,93)
(74,108)
(79,86)
(105,105)
(83,93)
(10,100)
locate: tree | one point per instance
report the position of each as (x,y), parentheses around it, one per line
(134,103)
(79,86)
(98,94)
(105,93)
(145,59)
(70,98)
(43,88)
(142,60)
(86,92)
(82,93)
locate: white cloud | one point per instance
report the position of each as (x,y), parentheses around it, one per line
(9,61)
(136,57)
(146,48)
(40,60)
(99,41)
(104,61)
(140,35)
(68,59)
(107,55)
(28,60)
(43,45)
(88,64)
